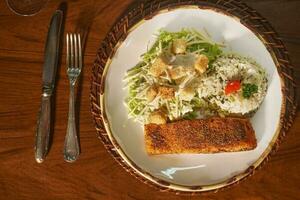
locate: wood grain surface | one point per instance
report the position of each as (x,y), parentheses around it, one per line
(96,175)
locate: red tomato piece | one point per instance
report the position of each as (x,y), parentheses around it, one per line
(232,86)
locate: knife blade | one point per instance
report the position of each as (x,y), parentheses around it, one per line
(49,72)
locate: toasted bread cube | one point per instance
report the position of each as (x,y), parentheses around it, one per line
(177,72)
(157,117)
(151,93)
(158,67)
(166,92)
(187,93)
(201,63)
(179,46)
(179,81)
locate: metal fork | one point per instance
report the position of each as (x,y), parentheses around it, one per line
(74,66)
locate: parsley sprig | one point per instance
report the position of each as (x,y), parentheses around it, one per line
(249,90)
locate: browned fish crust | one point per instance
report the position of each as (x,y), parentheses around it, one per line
(200,136)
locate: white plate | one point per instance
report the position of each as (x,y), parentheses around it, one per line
(189,169)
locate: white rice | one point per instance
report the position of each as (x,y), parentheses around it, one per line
(233,67)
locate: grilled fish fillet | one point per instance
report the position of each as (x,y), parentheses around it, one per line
(200,136)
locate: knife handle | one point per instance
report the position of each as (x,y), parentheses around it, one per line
(43,129)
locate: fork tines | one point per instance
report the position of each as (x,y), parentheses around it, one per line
(74,51)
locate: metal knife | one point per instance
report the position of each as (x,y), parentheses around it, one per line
(49,72)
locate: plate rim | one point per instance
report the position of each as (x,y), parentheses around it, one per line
(128,23)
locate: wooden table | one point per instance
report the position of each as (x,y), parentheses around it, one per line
(96,175)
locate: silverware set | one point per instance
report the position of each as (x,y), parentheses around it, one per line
(74,64)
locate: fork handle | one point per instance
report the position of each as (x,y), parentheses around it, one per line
(71,146)
(43,129)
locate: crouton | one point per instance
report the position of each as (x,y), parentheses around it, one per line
(158,67)
(157,117)
(151,93)
(179,81)
(177,72)
(166,92)
(187,93)
(201,63)
(179,46)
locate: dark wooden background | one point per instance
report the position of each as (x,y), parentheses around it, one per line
(96,175)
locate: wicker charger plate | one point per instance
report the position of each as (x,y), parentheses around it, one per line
(144,12)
